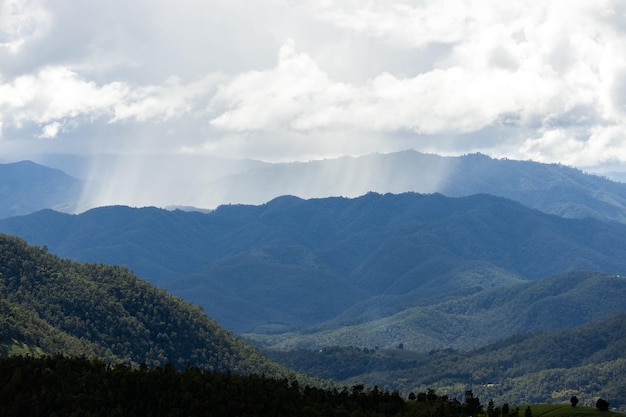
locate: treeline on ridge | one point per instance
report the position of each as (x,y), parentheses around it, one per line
(57,385)
(64,386)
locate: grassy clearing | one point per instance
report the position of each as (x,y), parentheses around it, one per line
(566,410)
(19,348)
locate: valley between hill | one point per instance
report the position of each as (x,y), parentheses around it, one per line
(377,270)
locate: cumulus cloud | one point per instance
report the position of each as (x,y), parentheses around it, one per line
(54,94)
(553,70)
(20,21)
(297,94)
(58,99)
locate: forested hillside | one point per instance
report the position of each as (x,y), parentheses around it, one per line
(470,321)
(292,262)
(587,361)
(50,305)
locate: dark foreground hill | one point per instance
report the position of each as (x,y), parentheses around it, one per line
(302,263)
(50,305)
(26,187)
(588,362)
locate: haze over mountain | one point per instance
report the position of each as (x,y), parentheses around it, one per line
(294,262)
(26,187)
(551,188)
(205,182)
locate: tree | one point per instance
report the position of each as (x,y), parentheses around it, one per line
(491,409)
(472,404)
(412,396)
(573,401)
(528,412)
(602,405)
(431,396)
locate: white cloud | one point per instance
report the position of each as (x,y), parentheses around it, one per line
(278,98)
(403,23)
(297,94)
(55,94)
(57,99)
(51,130)
(170,100)
(20,21)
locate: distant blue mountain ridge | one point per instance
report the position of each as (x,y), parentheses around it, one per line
(26,187)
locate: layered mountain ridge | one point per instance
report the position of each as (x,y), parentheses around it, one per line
(475,261)
(210,182)
(295,263)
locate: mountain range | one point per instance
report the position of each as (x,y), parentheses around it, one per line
(209,182)
(552,188)
(307,266)
(506,276)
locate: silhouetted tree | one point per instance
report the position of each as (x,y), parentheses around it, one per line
(472,404)
(431,396)
(574,401)
(491,408)
(602,405)
(528,412)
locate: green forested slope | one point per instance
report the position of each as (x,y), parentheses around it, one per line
(588,361)
(51,305)
(470,321)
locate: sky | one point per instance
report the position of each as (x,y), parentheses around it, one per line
(287,80)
